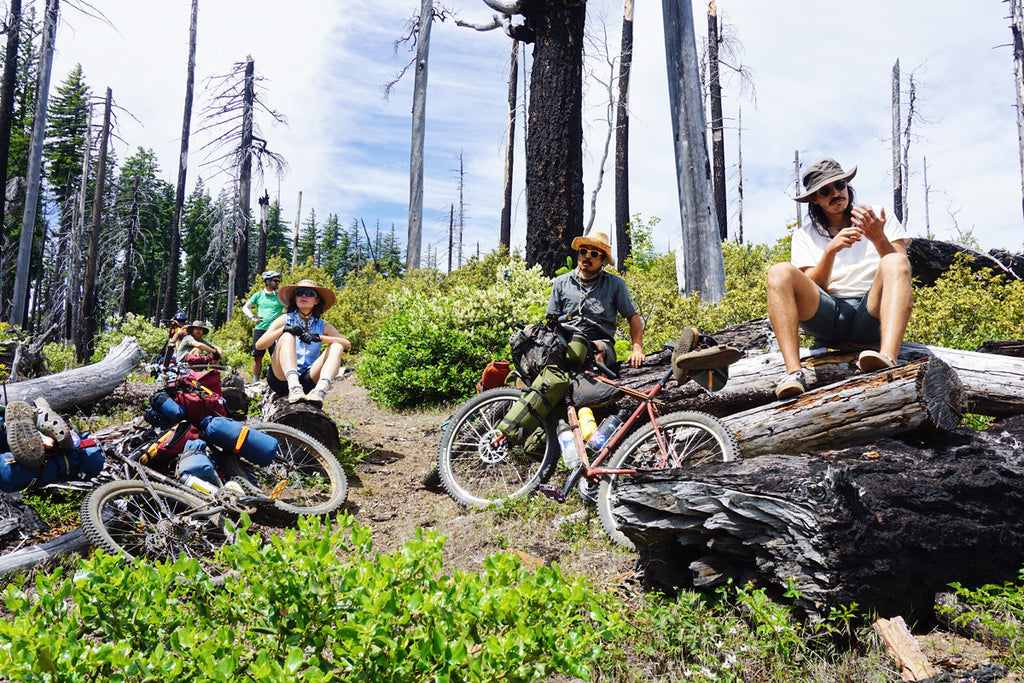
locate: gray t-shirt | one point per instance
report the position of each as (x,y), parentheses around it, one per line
(591,309)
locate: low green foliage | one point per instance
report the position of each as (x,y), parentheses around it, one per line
(315,604)
(431,349)
(57,507)
(964,309)
(60,356)
(151,338)
(999,612)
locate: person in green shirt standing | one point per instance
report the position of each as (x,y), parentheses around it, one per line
(268,308)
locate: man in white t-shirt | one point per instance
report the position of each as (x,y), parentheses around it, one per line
(848,280)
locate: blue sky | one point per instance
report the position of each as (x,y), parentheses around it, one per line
(821,71)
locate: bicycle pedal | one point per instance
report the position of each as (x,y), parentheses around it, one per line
(552,492)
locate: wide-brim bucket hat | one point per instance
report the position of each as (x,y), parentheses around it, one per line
(598,240)
(285,293)
(821,174)
(200,324)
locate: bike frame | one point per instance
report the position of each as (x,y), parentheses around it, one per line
(592,470)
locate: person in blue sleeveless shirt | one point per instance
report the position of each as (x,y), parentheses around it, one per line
(301,369)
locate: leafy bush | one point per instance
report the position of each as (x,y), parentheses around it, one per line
(60,356)
(358,312)
(315,604)
(964,309)
(997,610)
(432,349)
(151,338)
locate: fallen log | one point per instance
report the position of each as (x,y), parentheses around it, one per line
(993,383)
(922,395)
(886,527)
(65,390)
(33,555)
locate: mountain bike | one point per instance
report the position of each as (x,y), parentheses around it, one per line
(481,466)
(142,511)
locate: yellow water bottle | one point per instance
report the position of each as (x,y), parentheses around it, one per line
(588,425)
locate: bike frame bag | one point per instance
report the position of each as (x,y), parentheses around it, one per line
(530,411)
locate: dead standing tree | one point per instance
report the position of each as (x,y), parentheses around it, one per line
(554,145)
(171,296)
(623,243)
(238,95)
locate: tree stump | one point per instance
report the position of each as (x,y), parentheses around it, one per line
(886,527)
(304,417)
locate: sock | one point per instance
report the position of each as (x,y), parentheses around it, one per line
(323,386)
(293,379)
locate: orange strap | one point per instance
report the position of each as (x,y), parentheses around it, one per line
(241,438)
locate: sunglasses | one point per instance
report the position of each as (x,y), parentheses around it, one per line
(826,191)
(303,291)
(592,253)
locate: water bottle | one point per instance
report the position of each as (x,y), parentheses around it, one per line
(607,428)
(567,443)
(588,425)
(201,485)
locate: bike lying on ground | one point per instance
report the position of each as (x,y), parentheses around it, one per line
(479,465)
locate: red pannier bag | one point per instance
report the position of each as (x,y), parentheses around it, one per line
(199,393)
(494,375)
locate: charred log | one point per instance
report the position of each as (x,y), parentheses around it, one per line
(885,527)
(304,417)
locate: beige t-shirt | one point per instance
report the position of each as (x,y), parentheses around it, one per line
(854,268)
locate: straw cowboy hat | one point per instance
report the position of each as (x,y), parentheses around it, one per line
(821,174)
(284,294)
(200,324)
(598,240)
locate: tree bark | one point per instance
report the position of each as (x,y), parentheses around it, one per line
(505,237)
(886,528)
(7,95)
(33,556)
(89,298)
(704,267)
(419,124)
(1017,30)
(87,384)
(897,168)
(717,124)
(244,184)
(19,304)
(171,294)
(623,243)
(554,147)
(925,395)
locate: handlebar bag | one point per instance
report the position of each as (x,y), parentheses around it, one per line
(535,348)
(235,437)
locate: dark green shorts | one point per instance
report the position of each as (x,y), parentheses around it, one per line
(842,321)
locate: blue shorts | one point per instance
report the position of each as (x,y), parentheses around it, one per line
(839,321)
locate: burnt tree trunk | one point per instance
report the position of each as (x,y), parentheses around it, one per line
(84,344)
(717,125)
(886,528)
(623,243)
(244,183)
(505,237)
(554,146)
(7,95)
(171,295)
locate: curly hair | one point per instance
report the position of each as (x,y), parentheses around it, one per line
(817,214)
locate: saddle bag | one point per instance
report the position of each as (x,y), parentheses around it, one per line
(528,413)
(235,437)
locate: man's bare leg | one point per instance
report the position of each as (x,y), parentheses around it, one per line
(792,297)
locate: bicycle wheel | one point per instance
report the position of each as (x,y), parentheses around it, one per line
(124,517)
(478,466)
(691,438)
(303,479)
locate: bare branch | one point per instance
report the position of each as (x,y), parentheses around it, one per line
(507,7)
(502,21)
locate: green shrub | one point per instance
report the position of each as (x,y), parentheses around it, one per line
(964,309)
(997,610)
(315,604)
(151,338)
(358,312)
(432,349)
(60,356)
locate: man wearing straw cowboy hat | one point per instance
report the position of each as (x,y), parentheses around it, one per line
(299,369)
(848,279)
(192,348)
(589,297)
